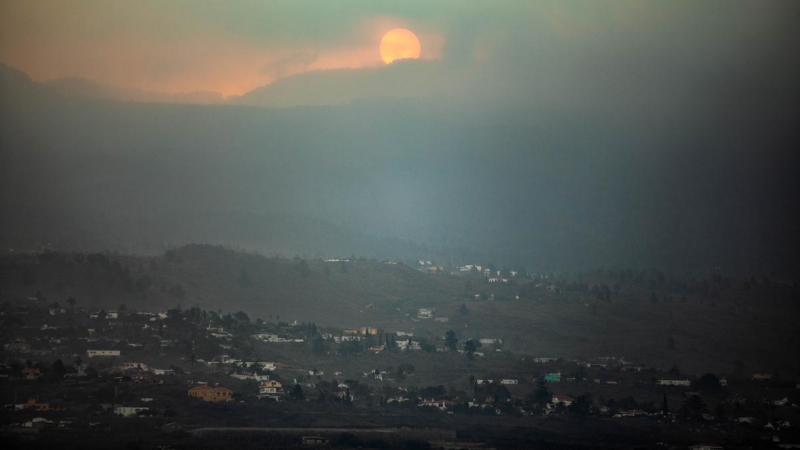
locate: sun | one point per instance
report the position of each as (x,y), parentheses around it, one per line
(399,44)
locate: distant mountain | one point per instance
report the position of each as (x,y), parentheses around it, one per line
(403,178)
(88,89)
(401,79)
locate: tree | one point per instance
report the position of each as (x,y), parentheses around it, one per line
(709,384)
(463,310)
(469,348)
(58,368)
(296,393)
(693,408)
(242,316)
(426,346)
(541,395)
(582,406)
(192,360)
(450,340)
(72,302)
(350,348)
(580,374)
(664,406)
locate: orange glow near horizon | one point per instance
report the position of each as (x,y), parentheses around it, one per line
(399,43)
(227,64)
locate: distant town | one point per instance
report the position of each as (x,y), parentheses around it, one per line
(69,372)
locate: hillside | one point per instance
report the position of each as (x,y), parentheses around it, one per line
(216,278)
(511,184)
(699,325)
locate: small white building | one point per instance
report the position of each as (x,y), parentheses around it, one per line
(250,376)
(270,389)
(542,359)
(424,313)
(668,382)
(129,411)
(565,400)
(93,353)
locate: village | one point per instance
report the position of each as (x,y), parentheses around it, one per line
(66,369)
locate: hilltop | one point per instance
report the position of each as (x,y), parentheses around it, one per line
(699,325)
(213,277)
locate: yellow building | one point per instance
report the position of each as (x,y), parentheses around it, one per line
(368,331)
(34,405)
(211,394)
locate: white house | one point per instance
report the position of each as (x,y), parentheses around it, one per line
(93,353)
(667,382)
(509,381)
(543,359)
(562,399)
(132,366)
(250,376)
(129,411)
(424,313)
(706,447)
(267,365)
(270,389)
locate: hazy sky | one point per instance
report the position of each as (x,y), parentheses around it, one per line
(528,130)
(233,47)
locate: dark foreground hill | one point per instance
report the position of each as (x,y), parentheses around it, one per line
(719,324)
